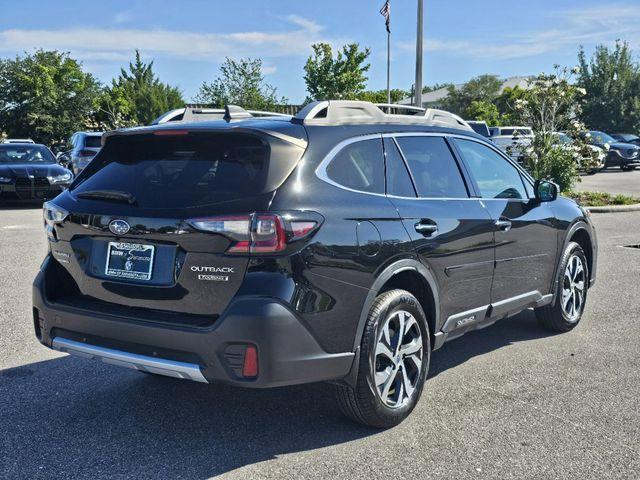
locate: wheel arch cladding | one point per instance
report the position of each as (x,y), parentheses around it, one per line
(412,276)
(582,238)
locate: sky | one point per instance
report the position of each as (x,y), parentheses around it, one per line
(189,39)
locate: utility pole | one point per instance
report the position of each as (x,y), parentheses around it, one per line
(418,87)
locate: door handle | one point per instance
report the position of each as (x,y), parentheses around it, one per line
(503,224)
(426,227)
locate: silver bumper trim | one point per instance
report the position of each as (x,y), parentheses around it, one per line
(169,368)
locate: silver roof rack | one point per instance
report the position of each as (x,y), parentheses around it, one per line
(341,112)
(201,113)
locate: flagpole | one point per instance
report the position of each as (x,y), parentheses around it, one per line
(388,66)
(418,87)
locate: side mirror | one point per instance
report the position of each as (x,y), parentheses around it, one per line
(545,191)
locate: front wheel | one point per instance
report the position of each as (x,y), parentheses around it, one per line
(393,365)
(571,292)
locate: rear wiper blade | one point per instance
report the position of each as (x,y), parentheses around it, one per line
(108,195)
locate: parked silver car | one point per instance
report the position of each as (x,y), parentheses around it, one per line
(84,146)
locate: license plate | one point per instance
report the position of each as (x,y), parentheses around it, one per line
(133,261)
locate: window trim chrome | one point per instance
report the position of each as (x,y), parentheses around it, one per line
(321,169)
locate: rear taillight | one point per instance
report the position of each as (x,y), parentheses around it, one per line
(257,232)
(52,215)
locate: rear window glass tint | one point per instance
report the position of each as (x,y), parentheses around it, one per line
(183,170)
(93,142)
(359,166)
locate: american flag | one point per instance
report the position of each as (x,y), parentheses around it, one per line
(385,11)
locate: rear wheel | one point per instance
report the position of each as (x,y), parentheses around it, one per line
(394,360)
(571,292)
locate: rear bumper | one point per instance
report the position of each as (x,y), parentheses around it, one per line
(287,352)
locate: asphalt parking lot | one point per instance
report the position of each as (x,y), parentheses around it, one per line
(613,181)
(507,402)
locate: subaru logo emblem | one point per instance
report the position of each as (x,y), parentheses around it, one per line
(119,227)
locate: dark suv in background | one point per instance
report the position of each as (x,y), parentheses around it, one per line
(343,244)
(84,146)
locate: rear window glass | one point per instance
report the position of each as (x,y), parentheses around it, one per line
(187,170)
(93,142)
(359,166)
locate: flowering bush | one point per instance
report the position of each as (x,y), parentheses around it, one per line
(549,107)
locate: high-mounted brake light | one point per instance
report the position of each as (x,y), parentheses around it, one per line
(258,233)
(170,133)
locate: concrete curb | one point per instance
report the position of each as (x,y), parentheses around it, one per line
(615,208)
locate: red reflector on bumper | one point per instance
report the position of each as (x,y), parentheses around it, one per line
(250,365)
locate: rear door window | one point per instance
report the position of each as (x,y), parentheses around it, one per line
(359,166)
(433,167)
(93,141)
(191,170)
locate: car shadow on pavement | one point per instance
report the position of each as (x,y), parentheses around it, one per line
(69,417)
(72,418)
(519,328)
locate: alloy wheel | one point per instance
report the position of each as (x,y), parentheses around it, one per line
(573,289)
(398,359)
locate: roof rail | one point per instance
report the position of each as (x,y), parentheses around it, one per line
(197,112)
(340,112)
(394,108)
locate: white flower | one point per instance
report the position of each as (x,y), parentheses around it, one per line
(581,91)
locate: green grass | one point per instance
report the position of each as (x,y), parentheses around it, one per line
(601,199)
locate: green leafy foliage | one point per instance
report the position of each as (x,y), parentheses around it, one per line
(484,88)
(611,81)
(241,82)
(549,107)
(601,199)
(484,111)
(45,96)
(340,77)
(136,97)
(380,96)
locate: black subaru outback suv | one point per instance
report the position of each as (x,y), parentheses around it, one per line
(343,244)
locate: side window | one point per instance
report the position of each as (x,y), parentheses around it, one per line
(359,166)
(433,167)
(398,180)
(494,175)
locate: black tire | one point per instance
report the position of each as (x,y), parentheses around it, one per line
(554,317)
(363,403)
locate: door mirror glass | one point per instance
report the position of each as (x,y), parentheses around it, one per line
(546,191)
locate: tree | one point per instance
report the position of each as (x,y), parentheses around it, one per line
(342,77)
(611,80)
(506,104)
(484,88)
(380,96)
(483,111)
(551,105)
(136,97)
(45,96)
(240,83)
